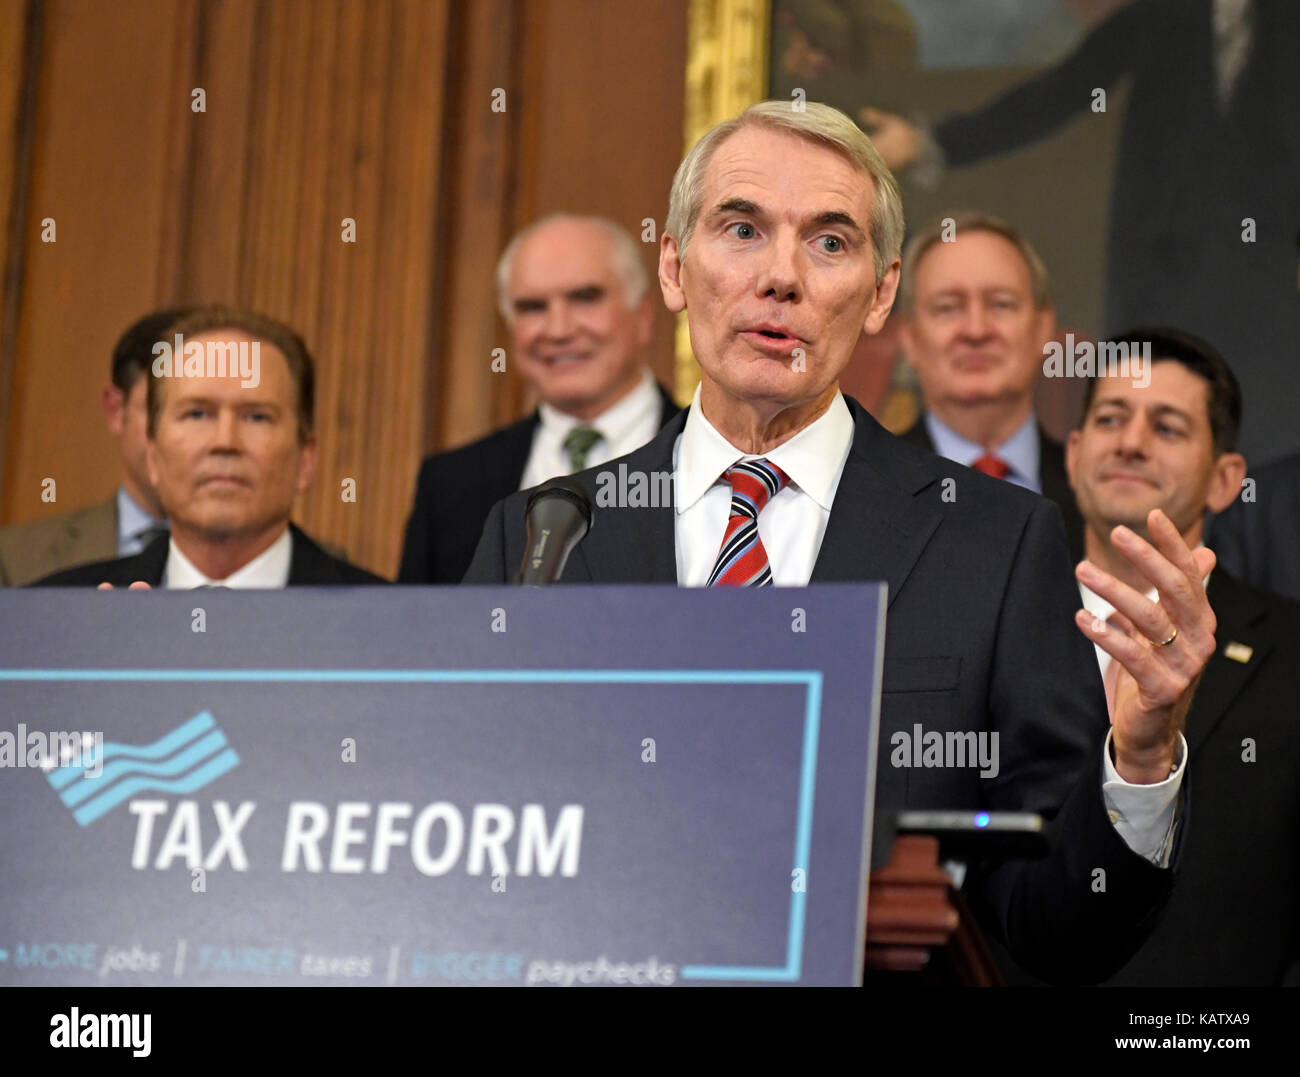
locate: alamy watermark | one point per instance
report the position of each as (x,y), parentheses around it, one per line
(948,750)
(1084,359)
(624,489)
(46,751)
(209,359)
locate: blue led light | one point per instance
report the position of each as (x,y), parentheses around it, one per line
(982,818)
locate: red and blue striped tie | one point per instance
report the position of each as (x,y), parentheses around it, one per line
(742,561)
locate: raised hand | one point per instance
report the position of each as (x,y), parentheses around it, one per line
(1163,646)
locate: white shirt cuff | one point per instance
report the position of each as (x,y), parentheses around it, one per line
(1146,816)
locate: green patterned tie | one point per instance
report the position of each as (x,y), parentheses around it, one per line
(578,443)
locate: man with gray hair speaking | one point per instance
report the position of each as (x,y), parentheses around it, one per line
(782,246)
(572,291)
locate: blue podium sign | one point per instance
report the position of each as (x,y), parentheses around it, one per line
(585,785)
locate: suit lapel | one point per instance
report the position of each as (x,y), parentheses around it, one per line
(308,563)
(918,435)
(633,545)
(668,408)
(1238,614)
(1051,469)
(517,444)
(148,564)
(877,527)
(86,536)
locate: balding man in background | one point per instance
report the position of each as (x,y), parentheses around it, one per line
(977,314)
(130,519)
(574,294)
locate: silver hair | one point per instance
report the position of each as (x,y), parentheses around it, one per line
(1040,285)
(625,259)
(817,123)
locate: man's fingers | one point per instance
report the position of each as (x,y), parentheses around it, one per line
(1143,615)
(1168,540)
(1118,620)
(1134,656)
(1206,559)
(1181,593)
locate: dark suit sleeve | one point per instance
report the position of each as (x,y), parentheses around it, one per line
(1059,918)
(1042,104)
(417,550)
(489,564)
(1226,537)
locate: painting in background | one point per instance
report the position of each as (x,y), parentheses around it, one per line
(1149,148)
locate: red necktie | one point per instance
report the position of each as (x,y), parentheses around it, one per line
(992,465)
(742,560)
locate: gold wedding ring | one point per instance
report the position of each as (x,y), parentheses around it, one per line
(1170,640)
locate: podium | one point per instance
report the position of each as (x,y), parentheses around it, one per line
(919,928)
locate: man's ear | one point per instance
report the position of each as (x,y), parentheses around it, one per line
(1044,327)
(307,457)
(886,291)
(151,461)
(114,404)
(1225,481)
(906,339)
(645,322)
(1072,454)
(670,274)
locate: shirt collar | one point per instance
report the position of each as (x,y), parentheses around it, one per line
(269,569)
(1020,450)
(131,518)
(628,411)
(813,458)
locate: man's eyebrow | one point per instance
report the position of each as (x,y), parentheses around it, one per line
(737,205)
(835,216)
(184,401)
(1169,409)
(1155,409)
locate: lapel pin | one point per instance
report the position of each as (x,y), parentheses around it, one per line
(1238,652)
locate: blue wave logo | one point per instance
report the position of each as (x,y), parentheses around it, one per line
(186,759)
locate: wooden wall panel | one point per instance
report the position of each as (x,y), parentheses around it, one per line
(340,120)
(105,93)
(379,111)
(20,32)
(481,207)
(610,121)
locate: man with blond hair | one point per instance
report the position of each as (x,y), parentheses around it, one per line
(782,247)
(231,444)
(977,316)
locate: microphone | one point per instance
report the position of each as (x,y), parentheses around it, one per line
(559,515)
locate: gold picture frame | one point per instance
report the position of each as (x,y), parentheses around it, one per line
(727,54)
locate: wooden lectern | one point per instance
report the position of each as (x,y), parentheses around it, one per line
(918,923)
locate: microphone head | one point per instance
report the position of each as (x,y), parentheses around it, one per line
(566,489)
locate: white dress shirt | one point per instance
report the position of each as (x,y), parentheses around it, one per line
(1148,814)
(1020,452)
(791,527)
(269,569)
(626,426)
(133,524)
